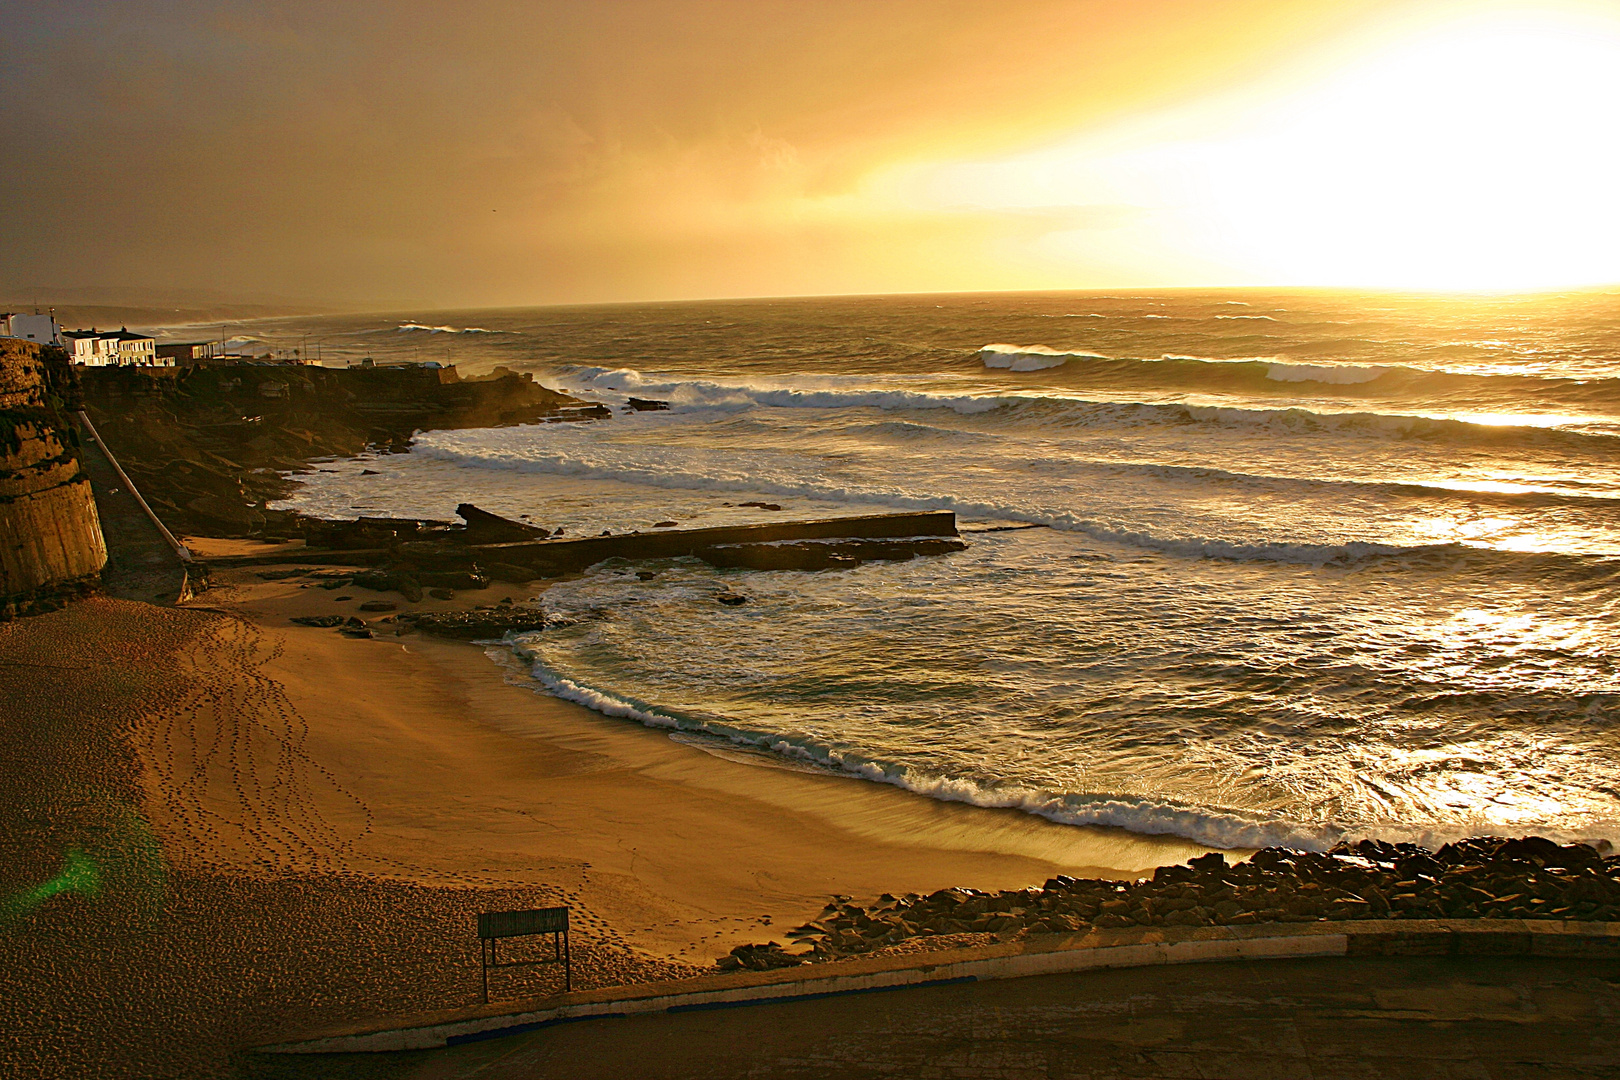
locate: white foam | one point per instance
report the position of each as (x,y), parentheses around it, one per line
(1212,827)
(408,326)
(1257,318)
(665,472)
(1030,357)
(689,394)
(1217,827)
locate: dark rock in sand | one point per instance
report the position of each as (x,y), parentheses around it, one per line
(390,581)
(645,575)
(761,958)
(453,579)
(355,632)
(318,620)
(471,625)
(378,605)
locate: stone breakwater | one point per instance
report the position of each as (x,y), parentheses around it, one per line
(50,536)
(1480,878)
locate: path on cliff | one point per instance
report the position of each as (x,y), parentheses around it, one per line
(140,564)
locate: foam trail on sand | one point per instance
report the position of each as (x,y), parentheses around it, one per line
(1213,828)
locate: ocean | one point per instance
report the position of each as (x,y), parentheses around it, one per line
(1245,567)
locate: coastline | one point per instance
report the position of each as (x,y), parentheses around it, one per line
(291,827)
(472,776)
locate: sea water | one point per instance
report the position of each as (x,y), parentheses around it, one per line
(1247,568)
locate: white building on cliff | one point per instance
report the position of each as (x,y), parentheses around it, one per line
(40,328)
(113,348)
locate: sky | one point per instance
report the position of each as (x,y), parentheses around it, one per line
(514,152)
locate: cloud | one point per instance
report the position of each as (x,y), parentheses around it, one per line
(513,151)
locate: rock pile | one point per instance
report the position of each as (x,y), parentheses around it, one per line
(1484,877)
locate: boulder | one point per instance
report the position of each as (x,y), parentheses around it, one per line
(390,581)
(484,527)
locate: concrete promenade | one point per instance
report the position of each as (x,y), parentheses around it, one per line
(1350,1018)
(1059,990)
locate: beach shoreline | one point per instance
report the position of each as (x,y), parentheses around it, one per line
(723,848)
(293,827)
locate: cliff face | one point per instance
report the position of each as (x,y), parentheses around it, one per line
(50,537)
(207,445)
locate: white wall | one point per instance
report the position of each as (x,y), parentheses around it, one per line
(40,328)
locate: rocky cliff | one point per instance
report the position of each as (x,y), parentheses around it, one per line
(50,537)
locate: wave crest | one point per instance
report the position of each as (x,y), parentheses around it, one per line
(1030,357)
(408,327)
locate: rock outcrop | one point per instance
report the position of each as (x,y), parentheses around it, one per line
(50,537)
(209,446)
(1483,877)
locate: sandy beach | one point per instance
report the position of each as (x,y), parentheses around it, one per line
(339,808)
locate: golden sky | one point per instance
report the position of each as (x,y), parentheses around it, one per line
(502,152)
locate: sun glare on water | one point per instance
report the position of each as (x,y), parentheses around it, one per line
(1477,155)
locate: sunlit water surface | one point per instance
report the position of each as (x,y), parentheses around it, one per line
(1309,565)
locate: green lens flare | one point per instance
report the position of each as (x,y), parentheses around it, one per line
(80,874)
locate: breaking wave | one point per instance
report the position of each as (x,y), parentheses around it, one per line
(1260,374)
(1030,357)
(1023,408)
(410,326)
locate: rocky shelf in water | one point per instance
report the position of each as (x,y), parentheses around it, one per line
(1483,877)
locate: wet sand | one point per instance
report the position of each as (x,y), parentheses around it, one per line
(469,776)
(297,828)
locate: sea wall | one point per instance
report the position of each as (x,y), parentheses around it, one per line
(50,536)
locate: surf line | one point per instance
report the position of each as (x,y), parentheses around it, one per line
(1006,528)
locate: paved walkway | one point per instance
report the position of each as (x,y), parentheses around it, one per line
(1429,1018)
